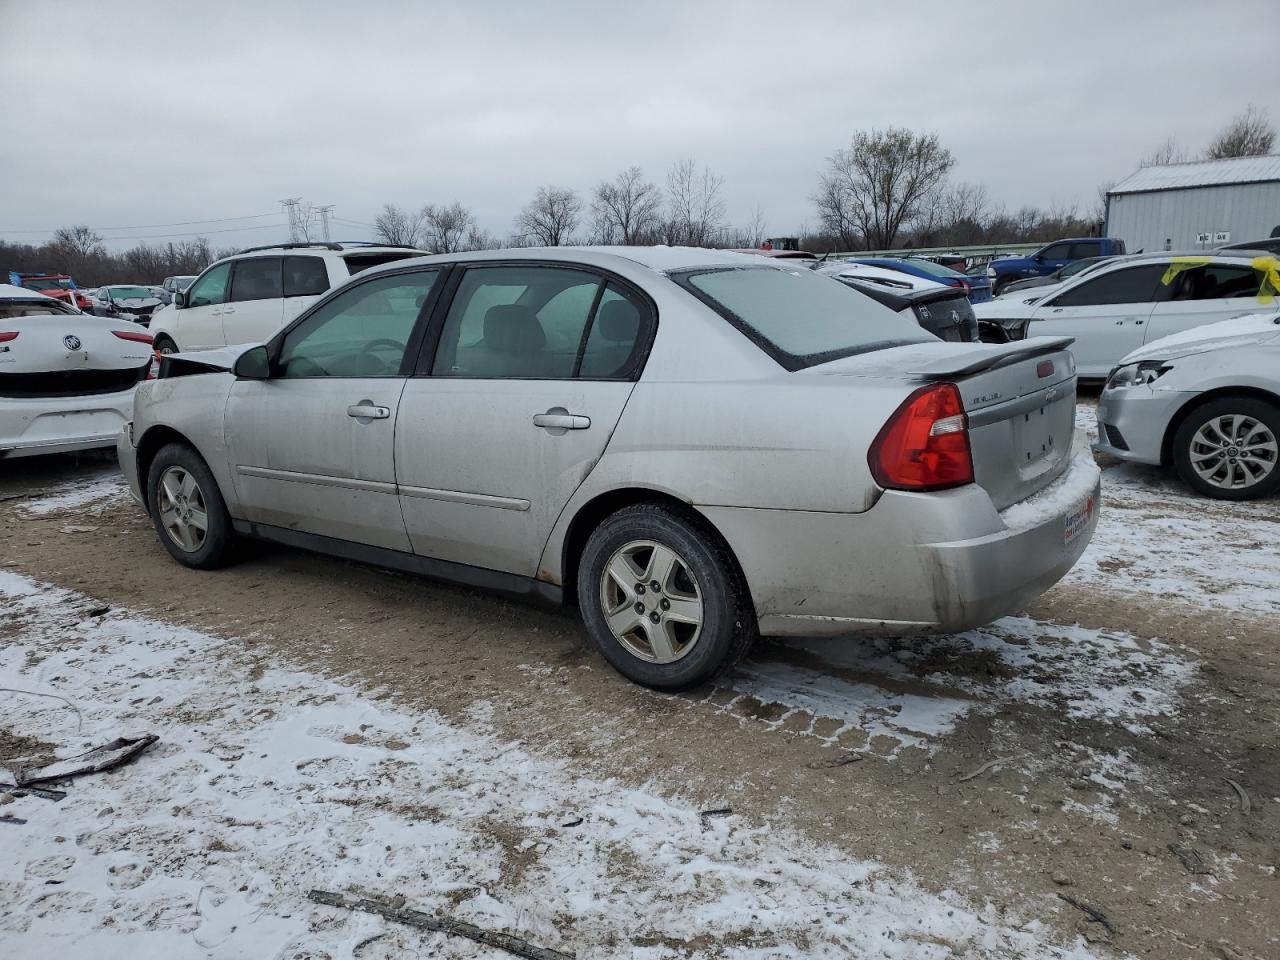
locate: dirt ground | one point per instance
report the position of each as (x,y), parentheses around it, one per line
(1113,802)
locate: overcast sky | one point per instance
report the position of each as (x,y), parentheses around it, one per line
(124,113)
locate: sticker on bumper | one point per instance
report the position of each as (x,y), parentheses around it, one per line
(1077,520)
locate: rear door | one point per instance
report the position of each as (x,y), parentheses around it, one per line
(1106,313)
(533,367)
(1204,294)
(312,448)
(254,311)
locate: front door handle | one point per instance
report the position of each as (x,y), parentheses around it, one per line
(561,421)
(368,410)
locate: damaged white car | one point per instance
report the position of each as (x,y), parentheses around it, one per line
(66,378)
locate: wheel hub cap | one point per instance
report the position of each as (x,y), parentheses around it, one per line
(1234,451)
(667,626)
(182,510)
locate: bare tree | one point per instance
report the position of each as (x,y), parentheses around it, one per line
(880,183)
(551,217)
(78,241)
(695,209)
(398,226)
(447,226)
(1248,135)
(478,239)
(754,232)
(1168,152)
(626,210)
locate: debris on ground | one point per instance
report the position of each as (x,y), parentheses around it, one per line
(830,763)
(987,766)
(425,921)
(1191,859)
(15,820)
(106,757)
(1245,805)
(1093,913)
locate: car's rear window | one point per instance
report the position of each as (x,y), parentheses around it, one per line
(363,261)
(45,306)
(798,317)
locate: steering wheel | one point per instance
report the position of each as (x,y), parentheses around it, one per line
(365,357)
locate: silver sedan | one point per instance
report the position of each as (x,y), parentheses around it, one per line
(1206,401)
(693,447)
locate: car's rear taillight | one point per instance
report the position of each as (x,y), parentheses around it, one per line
(964,285)
(134,337)
(5,337)
(925,444)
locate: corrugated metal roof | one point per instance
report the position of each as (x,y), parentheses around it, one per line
(1201,173)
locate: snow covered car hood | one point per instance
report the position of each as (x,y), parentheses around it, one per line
(1010,308)
(134,303)
(1238,331)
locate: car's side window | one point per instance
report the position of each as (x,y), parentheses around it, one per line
(1057,251)
(617,337)
(211,288)
(361,332)
(1083,249)
(517,322)
(305,276)
(1130,285)
(256,278)
(1222,280)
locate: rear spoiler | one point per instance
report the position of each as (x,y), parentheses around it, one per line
(988,356)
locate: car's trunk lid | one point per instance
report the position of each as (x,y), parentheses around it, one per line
(1019,397)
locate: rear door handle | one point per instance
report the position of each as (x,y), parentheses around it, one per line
(368,410)
(561,421)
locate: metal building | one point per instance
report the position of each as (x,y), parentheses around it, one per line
(1199,205)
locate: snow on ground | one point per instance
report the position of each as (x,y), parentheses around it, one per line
(107,483)
(1157,537)
(268,781)
(904,692)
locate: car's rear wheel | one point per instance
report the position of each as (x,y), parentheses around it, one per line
(1229,448)
(187,509)
(165,346)
(663,598)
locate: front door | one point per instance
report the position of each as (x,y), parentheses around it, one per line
(533,369)
(1106,313)
(199,323)
(1204,294)
(313,448)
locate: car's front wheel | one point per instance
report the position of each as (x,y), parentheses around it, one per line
(187,509)
(165,346)
(1230,447)
(663,598)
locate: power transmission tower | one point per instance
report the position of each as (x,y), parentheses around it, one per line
(291,210)
(324,219)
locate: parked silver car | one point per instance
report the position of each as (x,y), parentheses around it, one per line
(1206,401)
(693,446)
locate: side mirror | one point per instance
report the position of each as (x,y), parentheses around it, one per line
(253,364)
(180,299)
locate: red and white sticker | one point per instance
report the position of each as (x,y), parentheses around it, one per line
(1078,520)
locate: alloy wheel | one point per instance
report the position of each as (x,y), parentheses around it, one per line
(183,513)
(1233,451)
(651,601)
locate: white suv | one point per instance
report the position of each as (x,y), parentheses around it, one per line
(246,298)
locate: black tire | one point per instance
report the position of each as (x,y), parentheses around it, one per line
(728,621)
(217,547)
(1000,286)
(1265,413)
(165,345)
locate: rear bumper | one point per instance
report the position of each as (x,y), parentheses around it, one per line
(31,427)
(936,562)
(1132,421)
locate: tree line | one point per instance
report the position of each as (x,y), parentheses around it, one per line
(886,189)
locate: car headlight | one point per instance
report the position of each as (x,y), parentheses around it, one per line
(1137,374)
(991,272)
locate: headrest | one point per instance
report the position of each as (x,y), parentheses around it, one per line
(619,321)
(512,328)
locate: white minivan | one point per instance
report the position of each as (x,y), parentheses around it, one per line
(1116,308)
(246,298)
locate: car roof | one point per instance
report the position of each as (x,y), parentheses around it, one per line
(660,259)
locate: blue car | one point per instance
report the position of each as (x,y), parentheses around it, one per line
(977,289)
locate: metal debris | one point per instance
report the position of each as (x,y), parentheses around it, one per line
(106,757)
(1245,805)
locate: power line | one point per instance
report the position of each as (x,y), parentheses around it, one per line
(194,233)
(149,226)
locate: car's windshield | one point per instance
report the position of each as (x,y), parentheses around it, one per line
(47,284)
(1081,266)
(798,317)
(130,293)
(44,306)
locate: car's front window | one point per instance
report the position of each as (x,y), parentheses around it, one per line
(797,317)
(129,293)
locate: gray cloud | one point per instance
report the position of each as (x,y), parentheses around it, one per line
(142,112)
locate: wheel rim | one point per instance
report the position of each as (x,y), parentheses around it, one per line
(651,601)
(167,348)
(183,513)
(1233,451)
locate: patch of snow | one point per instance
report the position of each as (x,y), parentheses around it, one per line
(1069,492)
(268,781)
(107,485)
(1260,327)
